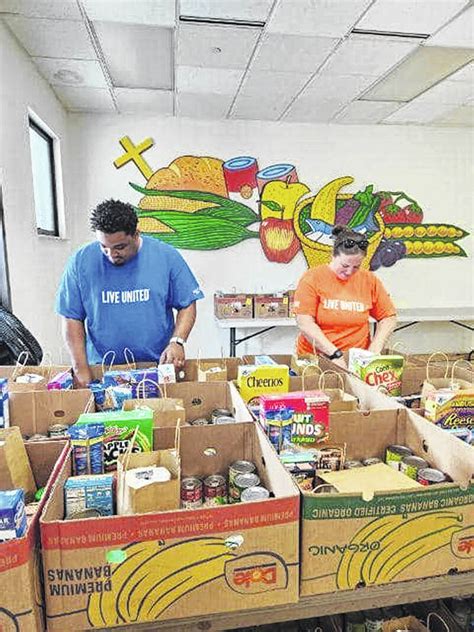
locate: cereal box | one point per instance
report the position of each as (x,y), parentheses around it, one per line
(12,514)
(451,408)
(378,370)
(89,492)
(254,381)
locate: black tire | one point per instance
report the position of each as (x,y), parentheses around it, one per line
(15,338)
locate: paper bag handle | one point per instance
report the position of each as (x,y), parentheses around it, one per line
(104,364)
(303,374)
(398,344)
(457,363)
(177,438)
(440,618)
(322,379)
(445,358)
(20,364)
(141,385)
(129,358)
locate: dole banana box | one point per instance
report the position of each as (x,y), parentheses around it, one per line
(255,380)
(124,570)
(378,370)
(451,408)
(378,534)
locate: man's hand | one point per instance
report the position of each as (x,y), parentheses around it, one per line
(82,377)
(173,354)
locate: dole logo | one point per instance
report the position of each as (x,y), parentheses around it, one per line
(256,573)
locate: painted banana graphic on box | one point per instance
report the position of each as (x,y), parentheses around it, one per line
(400,542)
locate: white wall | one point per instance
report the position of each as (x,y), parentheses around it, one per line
(35,262)
(431,165)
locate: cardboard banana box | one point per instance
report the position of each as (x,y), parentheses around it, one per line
(118,570)
(352,540)
(21,595)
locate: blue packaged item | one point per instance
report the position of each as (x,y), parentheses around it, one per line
(278,426)
(132,378)
(4,418)
(264,360)
(87,443)
(12,514)
(89,492)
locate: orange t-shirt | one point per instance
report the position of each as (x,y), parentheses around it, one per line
(341,308)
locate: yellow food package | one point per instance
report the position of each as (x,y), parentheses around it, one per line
(254,381)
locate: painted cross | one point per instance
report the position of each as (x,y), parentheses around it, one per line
(133,153)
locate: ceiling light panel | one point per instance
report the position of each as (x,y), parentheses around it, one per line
(257,10)
(410,16)
(71,72)
(418,113)
(458,117)
(340,87)
(149,12)
(208,80)
(466,73)
(458,33)
(85,99)
(52,38)
(203,106)
(265,108)
(292,53)
(325,18)
(216,46)
(137,56)
(417,73)
(131,100)
(367,55)
(274,84)
(54,10)
(450,92)
(313,110)
(366,112)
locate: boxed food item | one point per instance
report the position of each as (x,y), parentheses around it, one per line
(61,381)
(254,380)
(233,305)
(270,305)
(4,416)
(12,514)
(144,380)
(89,492)
(377,370)
(451,408)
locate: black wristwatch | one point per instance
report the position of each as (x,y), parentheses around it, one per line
(337,354)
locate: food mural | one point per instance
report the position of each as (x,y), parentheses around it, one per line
(206,203)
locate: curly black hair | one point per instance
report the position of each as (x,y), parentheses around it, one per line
(114,216)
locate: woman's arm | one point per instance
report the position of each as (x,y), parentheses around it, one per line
(315,336)
(384,329)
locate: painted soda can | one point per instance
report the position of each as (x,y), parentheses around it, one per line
(394,455)
(240,467)
(191,493)
(411,465)
(371,460)
(431,476)
(240,483)
(254,493)
(215,490)
(351,465)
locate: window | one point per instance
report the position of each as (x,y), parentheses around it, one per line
(44,179)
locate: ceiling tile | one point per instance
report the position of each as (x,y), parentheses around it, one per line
(367,112)
(424,68)
(137,56)
(52,9)
(216,46)
(273,83)
(313,110)
(264,108)
(147,12)
(257,10)
(85,99)
(458,33)
(71,72)
(316,17)
(466,73)
(340,87)
(292,53)
(365,55)
(417,112)
(458,117)
(450,92)
(52,38)
(130,100)
(213,106)
(410,16)
(208,80)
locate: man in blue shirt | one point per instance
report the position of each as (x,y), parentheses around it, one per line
(120,292)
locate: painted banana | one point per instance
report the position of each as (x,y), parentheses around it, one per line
(324,204)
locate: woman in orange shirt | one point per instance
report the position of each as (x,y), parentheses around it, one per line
(333,302)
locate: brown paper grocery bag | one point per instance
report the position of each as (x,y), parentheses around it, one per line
(167,411)
(340,401)
(435,383)
(15,468)
(212,370)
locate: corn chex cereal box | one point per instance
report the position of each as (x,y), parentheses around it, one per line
(378,370)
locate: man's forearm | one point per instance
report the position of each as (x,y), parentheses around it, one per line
(185,320)
(75,337)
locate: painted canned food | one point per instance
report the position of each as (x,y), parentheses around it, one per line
(57,430)
(350,465)
(372,460)
(215,490)
(191,493)
(240,467)
(394,455)
(239,484)
(200,421)
(411,465)
(254,493)
(224,419)
(220,412)
(431,476)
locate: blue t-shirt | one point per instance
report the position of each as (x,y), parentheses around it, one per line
(130,305)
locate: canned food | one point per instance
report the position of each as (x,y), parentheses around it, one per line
(350,465)
(220,412)
(254,493)
(321,487)
(329,459)
(215,490)
(191,492)
(200,421)
(58,430)
(240,467)
(224,419)
(239,484)
(374,621)
(372,460)
(431,476)
(411,465)
(86,513)
(394,455)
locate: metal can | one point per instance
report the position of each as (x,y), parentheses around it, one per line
(431,476)
(371,460)
(322,487)
(85,513)
(57,430)
(239,484)
(254,493)
(200,421)
(220,412)
(351,465)
(374,620)
(411,465)
(191,492)
(215,490)
(240,467)
(394,455)
(224,419)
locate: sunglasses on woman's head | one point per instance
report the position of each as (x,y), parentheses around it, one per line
(363,244)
